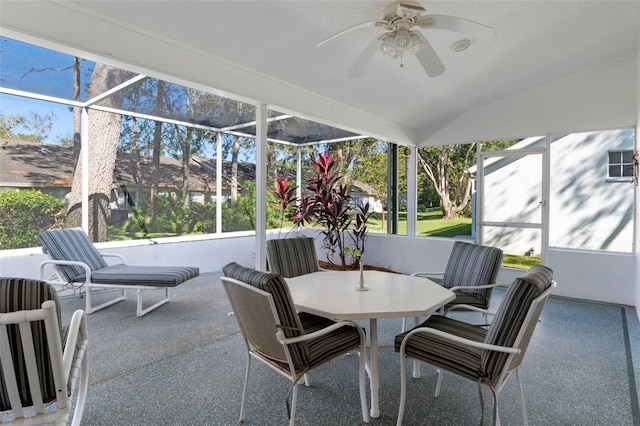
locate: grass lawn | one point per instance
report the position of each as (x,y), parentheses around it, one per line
(430,223)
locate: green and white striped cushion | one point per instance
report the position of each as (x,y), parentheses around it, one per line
(443,353)
(277,287)
(156,276)
(473,363)
(304,354)
(291,257)
(71,244)
(473,265)
(326,347)
(18,294)
(511,314)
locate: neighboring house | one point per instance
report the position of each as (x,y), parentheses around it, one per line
(49,168)
(592,193)
(361,193)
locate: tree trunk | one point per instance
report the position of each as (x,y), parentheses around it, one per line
(234,169)
(157,147)
(104,134)
(76,111)
(186,156)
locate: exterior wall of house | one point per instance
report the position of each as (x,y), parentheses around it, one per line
(587,210)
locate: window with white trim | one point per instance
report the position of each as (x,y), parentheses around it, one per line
(621,165)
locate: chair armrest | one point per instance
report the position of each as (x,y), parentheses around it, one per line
(457,339)
(119,256)
(83,265)
(427,274)
(76,344)
(463,307)
(474,287)
(318,333)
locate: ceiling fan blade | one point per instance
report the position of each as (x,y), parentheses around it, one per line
(364,59)
(428,58)
(459,25)
(352,28)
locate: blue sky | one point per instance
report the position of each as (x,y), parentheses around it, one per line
(62,124)
(38,70)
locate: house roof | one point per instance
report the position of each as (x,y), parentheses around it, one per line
(555,65)
(31,164)
(23,165)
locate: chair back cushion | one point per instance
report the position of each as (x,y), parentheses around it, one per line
(291,257)
(279,290)
(71,244)
(511,315)
(20,294)
(473,265)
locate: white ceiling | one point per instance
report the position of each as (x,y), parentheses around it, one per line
(270,46)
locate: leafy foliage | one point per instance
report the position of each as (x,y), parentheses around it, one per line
(24,214)
(328,205)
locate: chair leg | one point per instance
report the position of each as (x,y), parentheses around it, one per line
(496,416)
(362,381)
(525,422)
(140,311)
(438,383)
(294,400)
(89,309)
(244,389)
(403,388)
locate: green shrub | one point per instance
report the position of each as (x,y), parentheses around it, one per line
(24,214)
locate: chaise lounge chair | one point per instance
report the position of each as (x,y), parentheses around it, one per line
(80,265)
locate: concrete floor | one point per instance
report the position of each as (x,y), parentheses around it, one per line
(184,363)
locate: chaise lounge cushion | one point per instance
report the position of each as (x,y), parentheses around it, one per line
(73,244)
(156,276)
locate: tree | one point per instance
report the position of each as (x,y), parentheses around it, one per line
(446,168)
(104,133)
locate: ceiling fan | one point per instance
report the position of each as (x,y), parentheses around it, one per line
(402,20)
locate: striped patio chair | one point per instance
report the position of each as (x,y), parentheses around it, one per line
(274,333)
(292,257)
(40,373)
(80,265)
(486,356)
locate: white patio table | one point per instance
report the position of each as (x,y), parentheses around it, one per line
(334,295)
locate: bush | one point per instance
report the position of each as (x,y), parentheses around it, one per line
(24,214)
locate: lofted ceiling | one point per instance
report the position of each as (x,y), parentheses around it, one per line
(266,52)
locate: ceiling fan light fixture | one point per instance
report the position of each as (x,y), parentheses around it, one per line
(403,40)
(416,44)
(387,47)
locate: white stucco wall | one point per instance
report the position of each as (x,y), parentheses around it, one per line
(581,274)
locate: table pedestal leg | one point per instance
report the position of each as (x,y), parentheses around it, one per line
(373,375)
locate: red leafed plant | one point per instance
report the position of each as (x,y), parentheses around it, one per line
(285,197)
(330,206)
